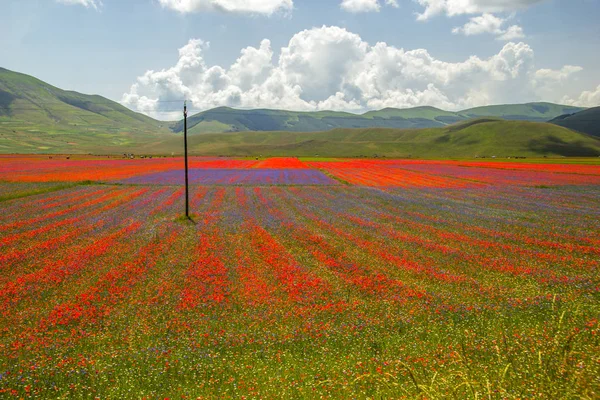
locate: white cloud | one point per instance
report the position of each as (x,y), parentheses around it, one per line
(513,32)
(262,7)
(552,84)
(318,60)
(561,75)
(332,68)
(486,23)
(460,7)
(489,23)
(95,4)
(586,99)
(359,6)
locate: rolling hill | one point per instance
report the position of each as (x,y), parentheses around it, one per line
(481,137)
(586,121)
(224,119)
(38,117)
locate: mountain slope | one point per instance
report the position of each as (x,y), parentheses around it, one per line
(36,115)
(483,137)
(224,119)
(586,121)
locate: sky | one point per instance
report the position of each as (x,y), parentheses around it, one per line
(307,55)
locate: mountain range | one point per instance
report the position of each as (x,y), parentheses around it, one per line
(36,117)
(224,119)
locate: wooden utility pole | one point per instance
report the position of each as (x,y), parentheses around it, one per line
(187,188)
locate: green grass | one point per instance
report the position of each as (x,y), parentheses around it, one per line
(485,138)
(12,191)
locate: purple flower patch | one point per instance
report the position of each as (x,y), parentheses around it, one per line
(220,176)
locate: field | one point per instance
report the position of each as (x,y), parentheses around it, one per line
(299,279)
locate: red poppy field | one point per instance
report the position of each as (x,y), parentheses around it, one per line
(299,279)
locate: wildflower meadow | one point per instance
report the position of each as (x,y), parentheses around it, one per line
(348,279)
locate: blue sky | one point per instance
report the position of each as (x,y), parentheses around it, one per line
(525,50)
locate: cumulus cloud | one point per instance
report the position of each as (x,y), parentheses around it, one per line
(552,84)
(589,98)
(513,32)
(333,68)
(486,23)
(262,7)
(460,7)
(359,6)
(95,4)
(561,75)
(489,23)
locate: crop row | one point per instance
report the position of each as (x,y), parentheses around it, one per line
(273,292)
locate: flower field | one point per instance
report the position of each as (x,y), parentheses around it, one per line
(339,279)
(227,176)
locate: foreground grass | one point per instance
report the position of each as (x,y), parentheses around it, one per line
(547,351)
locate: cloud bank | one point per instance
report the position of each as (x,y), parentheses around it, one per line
(586,99)
(331,68)
(261,7)
(360,6)
(459,7)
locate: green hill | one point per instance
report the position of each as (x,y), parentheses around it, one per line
(38,117)
(483,137)
(224,119)
(586,121)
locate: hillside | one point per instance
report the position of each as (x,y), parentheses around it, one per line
(586,121)
(483,137)
(536,112)
(38,117)
(224,119)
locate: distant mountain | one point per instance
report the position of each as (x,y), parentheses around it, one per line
(586,121)
(224,119)
(36,116)
(536,112)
